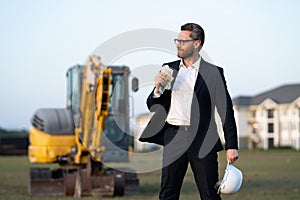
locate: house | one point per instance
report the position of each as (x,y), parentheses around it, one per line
(270,119)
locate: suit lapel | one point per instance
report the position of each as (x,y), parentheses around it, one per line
(175,67)
(202,74)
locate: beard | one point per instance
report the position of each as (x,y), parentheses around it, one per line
(184,53)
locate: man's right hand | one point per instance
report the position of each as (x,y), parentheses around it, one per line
(160,80)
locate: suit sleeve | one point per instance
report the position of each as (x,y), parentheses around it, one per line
(152,101)
(225,109)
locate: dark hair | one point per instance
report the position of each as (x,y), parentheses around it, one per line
(197,32)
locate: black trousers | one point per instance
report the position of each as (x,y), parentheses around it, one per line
(205,170)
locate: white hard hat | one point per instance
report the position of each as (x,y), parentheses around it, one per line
(232,180)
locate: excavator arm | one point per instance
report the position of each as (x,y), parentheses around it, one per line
(95,94)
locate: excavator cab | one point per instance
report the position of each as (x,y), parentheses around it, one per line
(116,140)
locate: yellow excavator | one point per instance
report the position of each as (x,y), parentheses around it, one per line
(90,131)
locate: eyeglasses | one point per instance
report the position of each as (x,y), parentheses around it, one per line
(181,42)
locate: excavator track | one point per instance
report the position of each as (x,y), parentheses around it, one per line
(77,183)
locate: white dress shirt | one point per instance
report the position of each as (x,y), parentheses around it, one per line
(182,94)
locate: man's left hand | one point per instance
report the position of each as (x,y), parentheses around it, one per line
(232,155)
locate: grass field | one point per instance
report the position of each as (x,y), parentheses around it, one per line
(273,174)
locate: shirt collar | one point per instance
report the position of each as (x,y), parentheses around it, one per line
(195,65)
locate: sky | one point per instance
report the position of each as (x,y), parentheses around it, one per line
(255,42)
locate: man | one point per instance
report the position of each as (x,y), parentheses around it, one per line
(184,120)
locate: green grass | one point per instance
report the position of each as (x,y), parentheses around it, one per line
(273,174)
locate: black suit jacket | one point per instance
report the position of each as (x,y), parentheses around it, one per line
(210,92)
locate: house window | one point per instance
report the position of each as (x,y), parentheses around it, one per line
(270,128)
(254,130)
(270,143)
(254,113)
(270,113)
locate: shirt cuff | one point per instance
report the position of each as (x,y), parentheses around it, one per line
(156,95)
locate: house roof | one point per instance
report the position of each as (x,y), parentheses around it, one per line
(281,95)
(242,100)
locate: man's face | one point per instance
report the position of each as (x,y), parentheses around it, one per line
(185,49)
